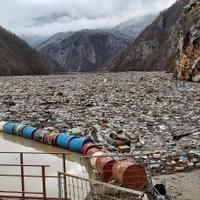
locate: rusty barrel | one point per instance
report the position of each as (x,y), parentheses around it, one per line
(87,147)
(46,137)
(39,135)
(92,151)
(50,138)
(94,158)
(129,174)
(104,166)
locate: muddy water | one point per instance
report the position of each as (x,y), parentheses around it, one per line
(10,143)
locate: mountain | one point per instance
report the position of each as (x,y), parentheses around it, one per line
(17,58)
(89,50)
(85,50)
(187,63)
(155,48)
(135,26)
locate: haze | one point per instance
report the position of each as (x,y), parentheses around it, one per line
(46,17)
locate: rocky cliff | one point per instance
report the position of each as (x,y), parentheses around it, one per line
(156,47)
(187,64)
(17,58)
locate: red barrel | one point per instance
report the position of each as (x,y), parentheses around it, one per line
(129,174)
(104,167)
(94,158)
(92,151)
(88,146)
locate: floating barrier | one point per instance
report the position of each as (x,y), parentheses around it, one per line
(129,174)
(8,127)
(64,139)
(39,135)
(91,151)
(28,132)
(104,166)
(76,144)
(95,157)
(50,138)
(17,129)
(87,147)
(2,123)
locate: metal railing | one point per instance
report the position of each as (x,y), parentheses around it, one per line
(23,193)
(86,189)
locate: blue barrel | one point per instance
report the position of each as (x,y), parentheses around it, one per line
(64,139)
(8,128)
(77,144)
(28,132)
(39,135)
(17,129)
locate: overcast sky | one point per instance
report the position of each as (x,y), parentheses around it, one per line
(20,16)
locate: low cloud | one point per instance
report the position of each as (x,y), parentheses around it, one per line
(46,17)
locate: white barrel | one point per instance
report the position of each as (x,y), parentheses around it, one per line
(2,123)
(94,158)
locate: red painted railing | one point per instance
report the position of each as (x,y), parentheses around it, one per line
(23,194)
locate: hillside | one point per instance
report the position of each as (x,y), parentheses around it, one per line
(17,58)
(89,50)
(84,50)
(154,48)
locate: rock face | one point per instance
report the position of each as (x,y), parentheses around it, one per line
(85,50)
(17,58)
(187,64)
(154,48)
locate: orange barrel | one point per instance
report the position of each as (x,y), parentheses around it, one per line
(92,151)
(50,138)
(88,146)
(46,136)
(94,158)
(104,167)
(53,138)
(129,174)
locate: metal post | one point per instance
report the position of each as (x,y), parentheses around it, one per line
(150,176)
(64,171)
(43,182)
(22,175)
(59,186)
